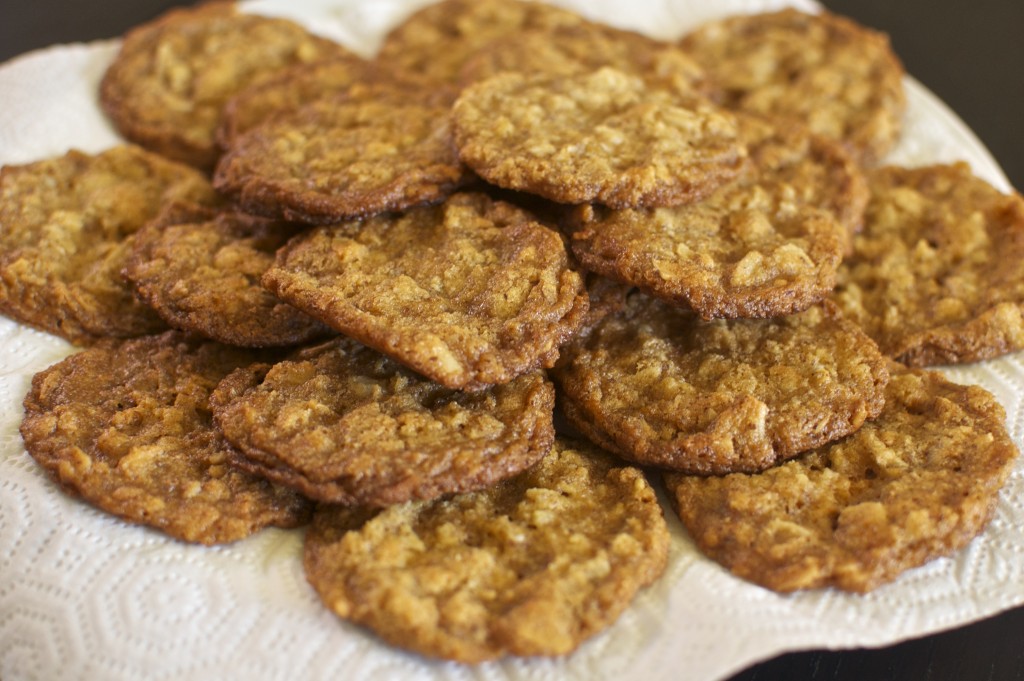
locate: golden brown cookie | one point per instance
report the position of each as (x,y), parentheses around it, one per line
(601,136)
(372,149)
(66,227)
(127,426)
(469,293)
(918,482)
(531,566)
(935,275)
(568,50)
(767,244)
(661,387)
(200,269)
(837,77)
(437,40)
(172,76)
(343,424)
(290,89)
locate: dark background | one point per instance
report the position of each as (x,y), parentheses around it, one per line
(971,54)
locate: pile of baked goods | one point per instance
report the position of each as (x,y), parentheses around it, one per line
(466,306)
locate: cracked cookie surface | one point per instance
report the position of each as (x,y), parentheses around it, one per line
(934,276)
(660,387)
(531,566)
(469,293)
(600,136)
(344,424)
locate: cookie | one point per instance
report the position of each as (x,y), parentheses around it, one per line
(372,149)
(934,276)
(763,245)
(469,293)
(825,71)
(568,50)
(66,227)
(436,41)
(602,136)
(170,80)
(531,566)
(200,270)
(661,387)
(127,426)
(344,424)
(918,482)
(290,89)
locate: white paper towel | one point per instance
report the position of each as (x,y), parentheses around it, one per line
(85,596)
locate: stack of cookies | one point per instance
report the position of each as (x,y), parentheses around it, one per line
(316,287)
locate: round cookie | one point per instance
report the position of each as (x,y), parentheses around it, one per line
(824,71)
(66,228)
(383,147)
(469,293)
(600,136)
(531,566)
(917,482)
(437,40)
(290,89)
(934,277)
(767,244)
(127,426)
(660,387)
(343,424)
(200,270)
(170,80)
(567,50)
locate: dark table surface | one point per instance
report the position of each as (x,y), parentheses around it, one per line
(971,54)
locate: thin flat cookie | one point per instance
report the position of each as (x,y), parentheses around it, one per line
(532,566)
(601,136)
(291,89)
(767,244)
(568,50)
(661,387)
(935,275)
(168,84)
(384,147)
(469,293)
(127,426)
(200,270)
(344,424)
(918,482)
(837,77)
(436,41)
(66,228)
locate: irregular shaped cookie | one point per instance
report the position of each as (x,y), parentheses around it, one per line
(596,137)
(172,76)
(200,270)
(568,50)
(437,40)
(66,227)
(470,293)
(839,78)
(372,149)
(934,277)
(765,245)
(127,426)
(531,566)
(918,482)
(659,386)
(290,89)
(344,424)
